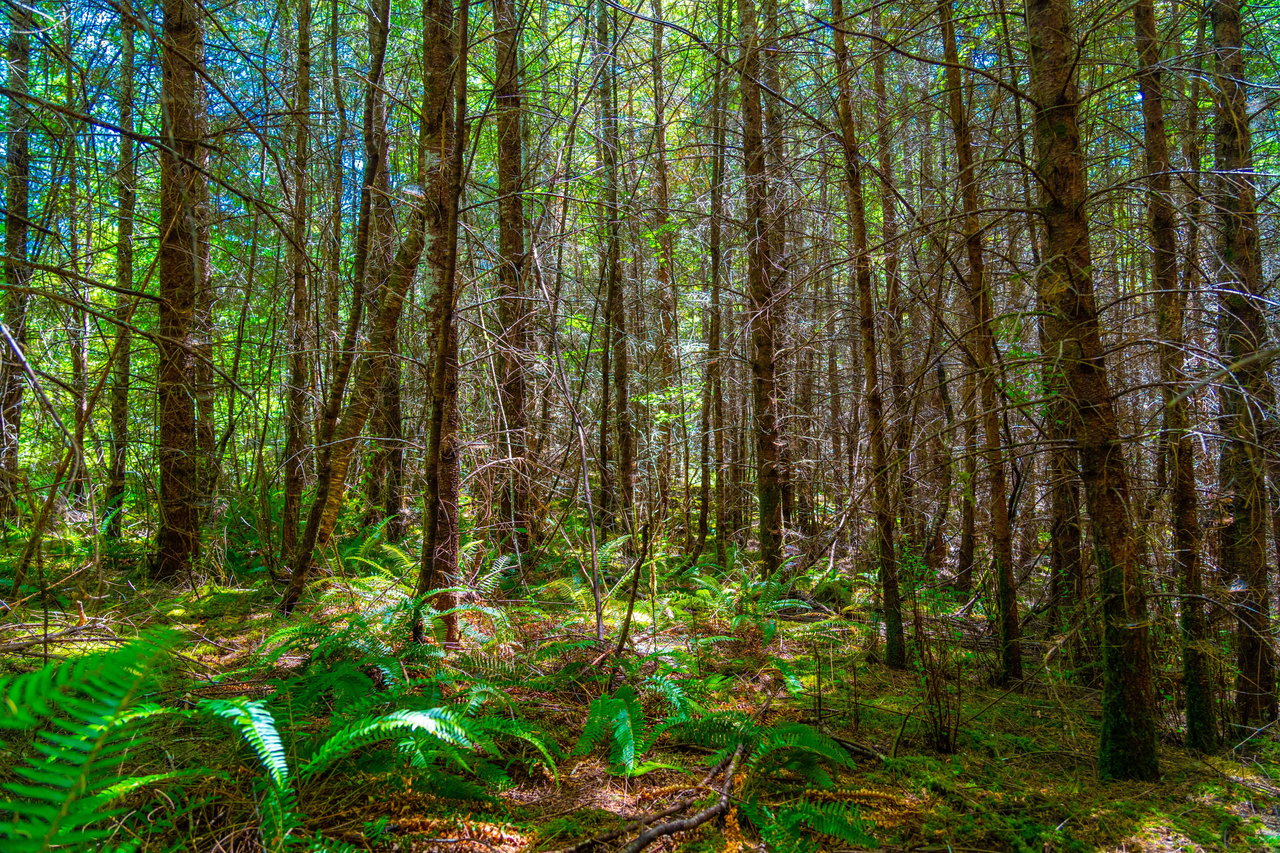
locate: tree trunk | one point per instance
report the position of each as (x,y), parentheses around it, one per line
(127,198)
(1127,748)
(517,523)
(1242,341)
(1202,730)
(761,244)
(184,198)
(616,482)
(983,349)
(711,449)
(296,418)
(440,529)
(669,367)
(902,473)
(435,135)
(895,642)
(17,275)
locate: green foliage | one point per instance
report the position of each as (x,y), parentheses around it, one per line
(619,721)
(85,714)
(789,828)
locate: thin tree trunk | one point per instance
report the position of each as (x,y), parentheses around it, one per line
(375,153)
(517,520)
(895,642)
(296,419)
(616,483)
(1202,730)
(127,195)
(761,244)
(435,135)
(968,489)
(17,275)
(903,475)
(669,366)
(440,529)
(384,474)
(711,449)
(983,348)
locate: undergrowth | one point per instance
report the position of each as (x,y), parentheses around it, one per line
(333,731)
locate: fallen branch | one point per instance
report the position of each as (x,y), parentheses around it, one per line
(65,633)
(719,807)
(675,808)
(858,749)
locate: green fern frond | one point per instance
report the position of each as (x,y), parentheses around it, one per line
(85,710)
(490,667)
(258,729)
(609,551)
(619,721)
(523,730)
(488,583)
(788,827)
(674,693)
(442,724)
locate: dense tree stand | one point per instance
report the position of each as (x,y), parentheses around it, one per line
(459,424)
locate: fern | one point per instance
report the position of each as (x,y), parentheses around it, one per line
(487,584)
(440,724)
(800,749)
(85,710)
(787,828)
(618,721)
(258,728)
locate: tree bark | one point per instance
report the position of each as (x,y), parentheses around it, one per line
(1242,339)
(371,359)
(711,448)
(440,529)
(184,198)
(299,386)
(895,641)
(17,274)
(517,523)
(121,367)
(983,349)
(1202,730)
(1127,747)
(762,298)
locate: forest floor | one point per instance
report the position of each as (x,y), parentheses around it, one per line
(935,758)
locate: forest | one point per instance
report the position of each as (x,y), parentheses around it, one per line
(619,425)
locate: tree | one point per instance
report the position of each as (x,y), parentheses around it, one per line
(122,365)
(17,274)
(1245,392)
(762,295)
(183,263)
(518,521)
(440,527)
(296,419)
(895,641)
(1073,345)
(1170,306)
(984,354)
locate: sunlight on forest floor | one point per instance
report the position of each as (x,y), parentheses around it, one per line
(1021,776)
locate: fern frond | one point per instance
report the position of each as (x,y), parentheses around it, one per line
(526,732)
(258,729)
(440,723)
(86,709)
